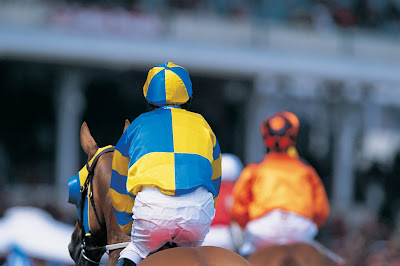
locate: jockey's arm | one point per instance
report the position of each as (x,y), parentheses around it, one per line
(216,168)
(122,202)
(321,203)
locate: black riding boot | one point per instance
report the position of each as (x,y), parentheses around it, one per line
(125,262)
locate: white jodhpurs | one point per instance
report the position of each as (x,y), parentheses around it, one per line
(277,227)
(220,236)
(159,218)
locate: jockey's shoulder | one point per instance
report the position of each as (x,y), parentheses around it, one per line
(293,153)
(254,164)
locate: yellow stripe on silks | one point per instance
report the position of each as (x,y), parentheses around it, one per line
(150,76)
(172,92)
(126,228)
(215,201)
(216,167)
(121,202)
(187,136)
(120,163)
(154,169)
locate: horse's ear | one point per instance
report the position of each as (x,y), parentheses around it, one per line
(88,143)
(127,123)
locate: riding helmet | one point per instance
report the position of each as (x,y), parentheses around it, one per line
(231,167)
(167,84)
(280,130)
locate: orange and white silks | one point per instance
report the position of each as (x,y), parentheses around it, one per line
(279,181)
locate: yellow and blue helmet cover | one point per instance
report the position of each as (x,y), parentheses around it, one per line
(167,84)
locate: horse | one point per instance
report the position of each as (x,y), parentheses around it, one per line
(105,234)
(105,231)
(293,254)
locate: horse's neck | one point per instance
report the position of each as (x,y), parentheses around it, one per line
(114,233)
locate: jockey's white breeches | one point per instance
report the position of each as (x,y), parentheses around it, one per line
(159,218)
(277,227)
(220,236)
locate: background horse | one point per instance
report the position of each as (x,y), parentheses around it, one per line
(113,234)
(294,254)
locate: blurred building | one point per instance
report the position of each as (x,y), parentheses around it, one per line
(63,63)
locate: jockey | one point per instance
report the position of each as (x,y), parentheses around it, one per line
(281,199)
(220,234)
(166,170)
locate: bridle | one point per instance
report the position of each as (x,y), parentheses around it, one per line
(86,191)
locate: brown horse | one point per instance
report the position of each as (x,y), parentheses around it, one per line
(102,202)
(296,254)
(204,256)
(105,230)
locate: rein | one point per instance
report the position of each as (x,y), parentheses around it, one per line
(87,191)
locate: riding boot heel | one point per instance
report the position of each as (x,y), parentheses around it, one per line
(125,262)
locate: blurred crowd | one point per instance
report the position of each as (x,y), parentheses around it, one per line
(372,243)
(383,16)
(326,15)
(369,236)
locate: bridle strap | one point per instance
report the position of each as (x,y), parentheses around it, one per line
(87,190)
(90,178)
(81,208)
(89,185)
(329,253)
(105,248)
(87,258)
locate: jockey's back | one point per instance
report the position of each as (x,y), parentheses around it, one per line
(284,182)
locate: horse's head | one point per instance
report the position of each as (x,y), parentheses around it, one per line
(97,225)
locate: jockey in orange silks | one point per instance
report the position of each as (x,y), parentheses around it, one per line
(220,234)
(281,199)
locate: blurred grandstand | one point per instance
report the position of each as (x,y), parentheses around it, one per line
(336,64)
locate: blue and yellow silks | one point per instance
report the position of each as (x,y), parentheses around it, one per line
(169,148)
(74,186)
(167,84)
